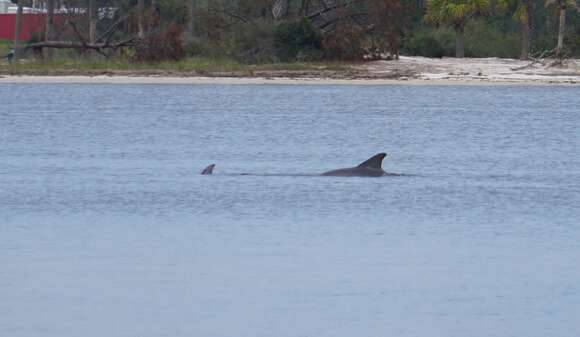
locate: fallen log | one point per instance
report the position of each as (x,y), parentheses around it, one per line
(131,42)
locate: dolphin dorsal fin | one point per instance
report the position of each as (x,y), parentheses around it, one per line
(375,162)
(208,170)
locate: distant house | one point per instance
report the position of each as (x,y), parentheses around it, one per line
(4,4)
(33,20)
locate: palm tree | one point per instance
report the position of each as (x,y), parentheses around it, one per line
(524,16)
(521,10)
(562,5)
(455,13)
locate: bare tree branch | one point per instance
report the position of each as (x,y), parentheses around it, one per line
(78,34)
(331,8)
(111,30)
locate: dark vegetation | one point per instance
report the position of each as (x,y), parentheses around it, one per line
(274,31)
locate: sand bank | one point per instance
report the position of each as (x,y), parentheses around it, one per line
(276,81)
(406,71)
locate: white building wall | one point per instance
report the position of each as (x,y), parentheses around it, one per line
(4,4)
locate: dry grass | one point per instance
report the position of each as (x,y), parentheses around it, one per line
(194,66)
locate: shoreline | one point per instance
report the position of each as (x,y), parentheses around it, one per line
(405,71)
(224,80)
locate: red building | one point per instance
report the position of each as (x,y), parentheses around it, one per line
(29,24)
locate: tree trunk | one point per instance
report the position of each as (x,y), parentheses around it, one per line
(49,20)
(140,19)
(459,41)
(525,27)
(530,18)
(154,15)
(92,21)
(190,36)
(525,5)
(49,25)
(561,28)
(304,7)
(17,31)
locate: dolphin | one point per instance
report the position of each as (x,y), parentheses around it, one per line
(371,167)
(208,170)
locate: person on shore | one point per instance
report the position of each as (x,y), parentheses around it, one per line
(10,56)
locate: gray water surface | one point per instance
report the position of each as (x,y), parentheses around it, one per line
(108,229)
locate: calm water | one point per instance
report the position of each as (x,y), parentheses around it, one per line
(107,229)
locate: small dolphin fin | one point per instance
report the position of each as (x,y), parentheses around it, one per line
(208,170)
(375,162)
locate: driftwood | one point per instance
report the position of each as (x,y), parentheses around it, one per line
(103,41)
(546,58)
(76,45)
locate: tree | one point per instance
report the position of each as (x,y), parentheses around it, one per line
(17,30)
(192,8)
(524,17)
(522,14)
(455,13)
(49,24)
(388,18)
(92,9)
(562,5)
(304,7)
(140,19)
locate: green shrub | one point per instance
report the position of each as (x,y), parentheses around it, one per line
(346,42)
(572,43)
(248,42)
(254,43)
(5,47)
(572,37)
(483,39)
(204,48)
(548,41)
(430,43)
(297,40)
(162,46)
(423,44)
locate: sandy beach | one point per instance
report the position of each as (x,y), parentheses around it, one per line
(406,70)
(266,81)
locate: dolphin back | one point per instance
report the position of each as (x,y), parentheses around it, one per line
(372,167)
(355,172)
